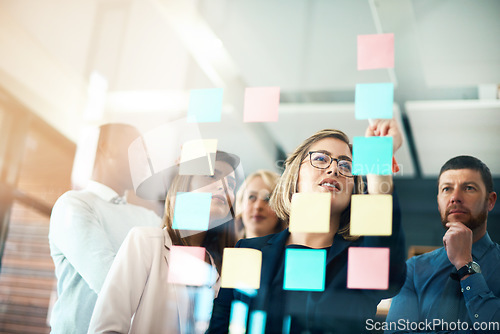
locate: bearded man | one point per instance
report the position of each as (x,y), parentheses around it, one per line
(455,288)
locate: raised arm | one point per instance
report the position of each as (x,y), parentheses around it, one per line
(382,184)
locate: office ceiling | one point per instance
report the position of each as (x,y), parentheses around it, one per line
(148,54)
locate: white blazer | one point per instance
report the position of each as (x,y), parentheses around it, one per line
(136,297)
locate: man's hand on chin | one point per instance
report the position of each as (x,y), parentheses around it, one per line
(458,244)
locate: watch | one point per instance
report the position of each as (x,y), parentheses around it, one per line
(469,269)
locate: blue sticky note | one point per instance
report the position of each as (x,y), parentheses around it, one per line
(203,304)
(305,269)
(372,155)
(374,100)
(249,292)
(238,319)
(287,323)
(258,322)
(205,105)
(192,211)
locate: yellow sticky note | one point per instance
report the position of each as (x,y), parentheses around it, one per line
(310,213)
(198,157)
(241,268)
(371,215)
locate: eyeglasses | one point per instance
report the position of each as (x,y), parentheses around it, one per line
(322,160)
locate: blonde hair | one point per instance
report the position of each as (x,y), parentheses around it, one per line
(287,184)
(270,179)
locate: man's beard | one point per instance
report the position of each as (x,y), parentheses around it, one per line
(473,222)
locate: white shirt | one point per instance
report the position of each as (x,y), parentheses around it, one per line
(137,297)
(86,231)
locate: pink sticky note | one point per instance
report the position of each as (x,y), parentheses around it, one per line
(261,104)
(368,268)
(375,51)
(187,266)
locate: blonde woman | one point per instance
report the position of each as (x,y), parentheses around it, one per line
(321,164)
(254,216)
(136,296)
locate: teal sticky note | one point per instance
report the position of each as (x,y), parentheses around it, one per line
(287,323)
(192,211)
(205,105)
(305,269)
(249,292)
(372,155)
(374,100)
(257,322)
(238,318)
(204,301)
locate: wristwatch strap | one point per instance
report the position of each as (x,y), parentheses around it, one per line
(463,271)
(468,269)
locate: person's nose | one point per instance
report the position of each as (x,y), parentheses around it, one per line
(456,196)
(333,169)
(260,204)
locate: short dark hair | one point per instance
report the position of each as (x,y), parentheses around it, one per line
(468,162)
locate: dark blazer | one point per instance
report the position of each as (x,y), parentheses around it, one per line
(334,310)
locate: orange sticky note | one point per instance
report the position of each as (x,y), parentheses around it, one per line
(375,51)
(371,215)
(261,104)
(241,268)
(310,213)
(368,268)
(187,266)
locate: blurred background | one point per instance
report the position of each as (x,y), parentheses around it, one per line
(66,66)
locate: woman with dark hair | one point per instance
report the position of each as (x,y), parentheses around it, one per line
(321,164)
(137,296)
